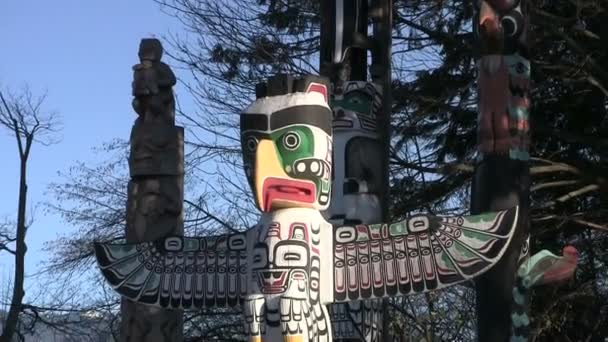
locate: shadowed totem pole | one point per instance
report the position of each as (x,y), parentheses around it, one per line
(360,102)
(155,191)
(502,176)
(285,270)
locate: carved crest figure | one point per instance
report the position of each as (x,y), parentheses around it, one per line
(286,269)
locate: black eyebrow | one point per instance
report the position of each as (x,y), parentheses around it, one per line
(313,115)
(258,122)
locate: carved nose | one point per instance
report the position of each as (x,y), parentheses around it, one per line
(489,27)
(489,24)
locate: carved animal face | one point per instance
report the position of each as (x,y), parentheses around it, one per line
(501,25)
(281,260)
(286,143)
(357,175)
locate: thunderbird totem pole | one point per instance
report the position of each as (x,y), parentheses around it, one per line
(361,118)
(285,270)
(502,176)
(305,254)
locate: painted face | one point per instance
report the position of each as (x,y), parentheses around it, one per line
(502,26)
(282,262)
(286,144)
(356,106)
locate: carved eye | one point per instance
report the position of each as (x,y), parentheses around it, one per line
(291,140)
(512,24)
(251,144)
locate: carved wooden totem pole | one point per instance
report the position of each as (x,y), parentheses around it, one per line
(360,101)
(155,191)
(502,177)
(285,271)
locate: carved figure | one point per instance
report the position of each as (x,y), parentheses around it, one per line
(502,177)
(286,269)
(152,85)
(155,190)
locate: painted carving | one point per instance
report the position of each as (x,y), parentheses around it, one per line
(542,268)
(504,78)
(286,269)
(357,146)
(502,177)
(357,183)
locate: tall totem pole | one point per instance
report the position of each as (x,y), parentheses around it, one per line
(285,270)
(155,191)
(361,106)
(502,173)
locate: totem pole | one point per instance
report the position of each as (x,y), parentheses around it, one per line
(361,120)
(502,176)
(286,269)
(155,191)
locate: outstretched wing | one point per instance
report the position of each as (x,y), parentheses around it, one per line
(420,254)
(178,272)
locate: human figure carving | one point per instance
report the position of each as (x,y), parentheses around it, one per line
(152,85)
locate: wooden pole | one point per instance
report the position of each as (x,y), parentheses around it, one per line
(361,135)
(156,188)
(502,177)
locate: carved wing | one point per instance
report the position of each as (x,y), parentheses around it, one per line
(417,255)
(178,272)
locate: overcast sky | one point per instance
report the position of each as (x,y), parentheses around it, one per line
(81,52)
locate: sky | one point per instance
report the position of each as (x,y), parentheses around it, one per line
(81,54)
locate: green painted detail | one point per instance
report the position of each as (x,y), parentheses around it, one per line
(518,113)
(362,236)
(464,252)
(398,228)
(520,320)
(519,298)
(152,283)
(476,235)
(357,101)
(518,154)
(375,229)
(288,154)
(447,261)
(515,338)
(518,65)
(191,245)
(122,250)
(325,186)
(485,217)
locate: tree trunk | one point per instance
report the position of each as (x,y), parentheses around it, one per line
(12,319)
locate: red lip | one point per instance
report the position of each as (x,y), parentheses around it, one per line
(288,190)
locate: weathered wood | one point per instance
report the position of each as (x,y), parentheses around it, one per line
(155,191)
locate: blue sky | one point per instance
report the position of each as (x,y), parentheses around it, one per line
(81,52)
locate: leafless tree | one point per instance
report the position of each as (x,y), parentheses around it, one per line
(24,118)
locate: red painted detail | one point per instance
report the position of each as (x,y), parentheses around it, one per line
(272,281)
(287,189)
(318,88)
(564,268)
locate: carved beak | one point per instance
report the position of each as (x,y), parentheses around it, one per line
(490,30)
(274,187)
(267,165)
